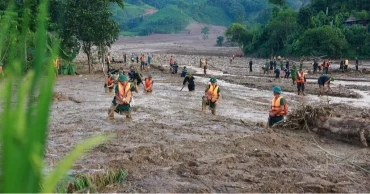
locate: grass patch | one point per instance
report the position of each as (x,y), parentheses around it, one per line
(90,182)
(166,21)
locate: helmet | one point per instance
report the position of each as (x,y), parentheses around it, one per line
(189,73)
(113,76)
(331,78)
(122,78)
(213,80)
(120,71)
(277,89)
(150,75)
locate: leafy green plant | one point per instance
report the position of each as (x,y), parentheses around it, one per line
(26,102)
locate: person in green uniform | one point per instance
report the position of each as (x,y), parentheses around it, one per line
(277,111)
(122,99)
(212,96)
(301,64)
(281,64)
(266,68)
(294,73)
(205,67)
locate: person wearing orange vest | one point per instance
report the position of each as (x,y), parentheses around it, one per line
(122,99)
(212,96)
(326,67)
(56,66)
(346,65)
(110,83)
(277,111)
(148,86)
(205,66)
(142,62)
(301,81)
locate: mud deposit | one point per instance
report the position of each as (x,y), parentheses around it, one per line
(170,145)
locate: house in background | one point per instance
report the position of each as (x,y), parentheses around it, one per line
(353,21)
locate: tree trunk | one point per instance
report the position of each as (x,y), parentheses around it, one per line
(345,127)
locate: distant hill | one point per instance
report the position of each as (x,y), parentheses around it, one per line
(144,17)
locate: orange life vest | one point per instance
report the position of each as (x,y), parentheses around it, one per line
(212,93)
(142,58)
(56,63)
(148,82)
(110,81)
(275,106)
(172,61)
(300,77)
(124,93)
(326,64)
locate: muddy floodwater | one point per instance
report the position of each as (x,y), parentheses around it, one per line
(170,145)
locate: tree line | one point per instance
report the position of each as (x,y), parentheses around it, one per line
(315,30)
(73,24)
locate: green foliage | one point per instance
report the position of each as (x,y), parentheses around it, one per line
(166,21)
(323,40)
(26,105)
(238,33)
(277,2)
(91,24)
(205,32)
(220,40)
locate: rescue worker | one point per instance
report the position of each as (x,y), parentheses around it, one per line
(346,65)
(294,73)
(356,64)
(125,58)
(56,66)
(277,74)
(250,65)
(275,63)
(184,72)
(315,66)
(149,60)
(277,111)
(148,87)
(190,80)
(212,96)
(271,65)
(326,67)
(142,62)
(281,64)
(301,64)
(205,66)
(287,73)
(110,83)
(266,68)
(301,81)
(122,98)
(287,64)
(108,60)
(172,63)
(341,66)
(137,58)
(325,79)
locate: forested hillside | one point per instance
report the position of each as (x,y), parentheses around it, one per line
(172,16)
(323,28)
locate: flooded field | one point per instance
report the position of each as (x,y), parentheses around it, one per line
(170,145)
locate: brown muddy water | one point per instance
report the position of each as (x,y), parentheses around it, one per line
(172,146)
